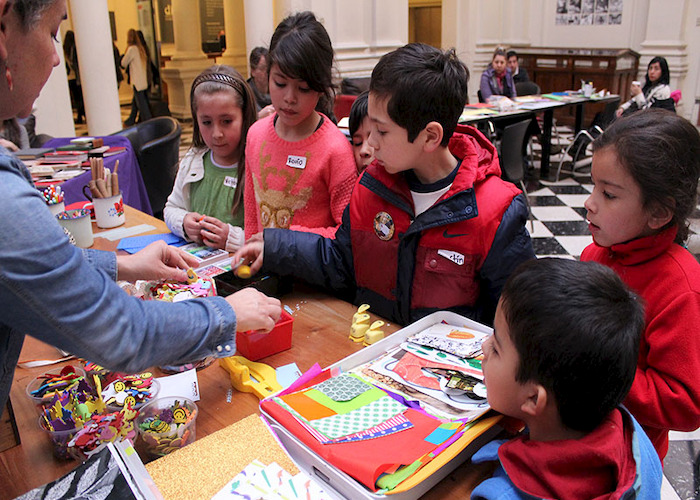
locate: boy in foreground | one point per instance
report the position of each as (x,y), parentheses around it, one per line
(428,227)
(562,358)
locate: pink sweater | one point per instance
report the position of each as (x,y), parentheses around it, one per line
(303,185)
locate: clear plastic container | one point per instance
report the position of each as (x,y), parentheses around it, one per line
(38,382)
(152,394)
(167,424)
(60,440)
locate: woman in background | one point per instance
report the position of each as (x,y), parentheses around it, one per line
(496,79)
(135,61)
(655,93)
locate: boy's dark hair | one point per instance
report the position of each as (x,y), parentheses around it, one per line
(256,54)
(576,327)
(511,53)
(358,111)
(301,48)
(421,84)
(661,151)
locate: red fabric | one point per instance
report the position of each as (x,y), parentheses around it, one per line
(376,262)
(365,460)
(591,467)
(665,393)
(307,199)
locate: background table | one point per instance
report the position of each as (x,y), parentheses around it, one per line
(130,179)
(320,335)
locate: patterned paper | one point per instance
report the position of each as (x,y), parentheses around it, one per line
(343,388)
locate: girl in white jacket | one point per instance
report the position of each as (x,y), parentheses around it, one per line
(655,88)
(206,205)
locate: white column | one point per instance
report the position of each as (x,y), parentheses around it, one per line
(664,38)
(235,54)
(259,23)
(96,62)
(188,59)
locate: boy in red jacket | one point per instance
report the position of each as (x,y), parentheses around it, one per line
(430,224)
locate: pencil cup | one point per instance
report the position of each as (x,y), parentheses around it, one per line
(109,212)
(77,222)
(57,208)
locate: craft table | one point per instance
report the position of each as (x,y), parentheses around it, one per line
(547,109)
(130,179)
(320,335)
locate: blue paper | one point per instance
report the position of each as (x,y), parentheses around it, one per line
(287,374)
(136,243)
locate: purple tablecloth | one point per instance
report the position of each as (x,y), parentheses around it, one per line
(130,180)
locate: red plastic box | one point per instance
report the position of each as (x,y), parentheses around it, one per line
(255,346)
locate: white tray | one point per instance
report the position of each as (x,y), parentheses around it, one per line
(339,484)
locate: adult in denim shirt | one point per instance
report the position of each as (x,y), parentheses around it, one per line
(66,296)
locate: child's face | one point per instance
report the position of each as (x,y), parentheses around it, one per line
(500,366)
(293,99)
(220,121)
(389,140)
(615,211)
(364,153)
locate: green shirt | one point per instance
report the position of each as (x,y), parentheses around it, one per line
(213,195)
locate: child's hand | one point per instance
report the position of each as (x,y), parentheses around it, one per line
(214,233)
(192,227)
(251,252)
(254,310)
(157,261)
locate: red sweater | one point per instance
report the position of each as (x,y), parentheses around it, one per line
(302,185)
(665,393)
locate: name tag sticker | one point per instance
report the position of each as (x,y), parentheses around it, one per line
(231,182)
(455,257)
(296,161)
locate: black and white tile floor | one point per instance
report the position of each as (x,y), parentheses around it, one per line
(560,230)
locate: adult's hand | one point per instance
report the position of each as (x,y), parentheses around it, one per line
(252,252)
(254,310)
(157,261)
(635,90)
(618,112)
(266,111)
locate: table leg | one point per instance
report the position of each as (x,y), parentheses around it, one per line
(546,142)
(578,123)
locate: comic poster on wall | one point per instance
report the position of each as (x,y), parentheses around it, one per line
(589,12)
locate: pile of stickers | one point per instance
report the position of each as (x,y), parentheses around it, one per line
(168,429)
(174,291)
(129,390)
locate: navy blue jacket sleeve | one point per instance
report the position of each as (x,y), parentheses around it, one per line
(511,246)
(319,261)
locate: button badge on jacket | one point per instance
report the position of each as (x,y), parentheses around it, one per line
(383,226)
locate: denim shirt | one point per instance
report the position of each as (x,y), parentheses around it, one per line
(68,297)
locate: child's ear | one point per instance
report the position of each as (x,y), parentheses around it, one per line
(660,215)
(433,136)
(535,400)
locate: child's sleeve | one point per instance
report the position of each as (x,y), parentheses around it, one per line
(511,246)
(236,238)
(252,217)
(665,393)
(178,204)
(323,262)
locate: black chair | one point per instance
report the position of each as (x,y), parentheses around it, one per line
(156,143)
(511,156)
(578,149)
(527,88)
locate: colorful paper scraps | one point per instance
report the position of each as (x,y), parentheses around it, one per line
(173,291)
(52,383)
(343,388)
(460,341)
(258,480)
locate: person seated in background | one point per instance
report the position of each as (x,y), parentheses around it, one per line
(563,363)
(359,126)
(519,74)
(430,225)
(259,81)
(655,92)
(497,79)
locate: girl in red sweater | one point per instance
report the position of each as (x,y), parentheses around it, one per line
(300,169)
(645,174)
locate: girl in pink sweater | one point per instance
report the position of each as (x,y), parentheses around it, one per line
(300,168)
